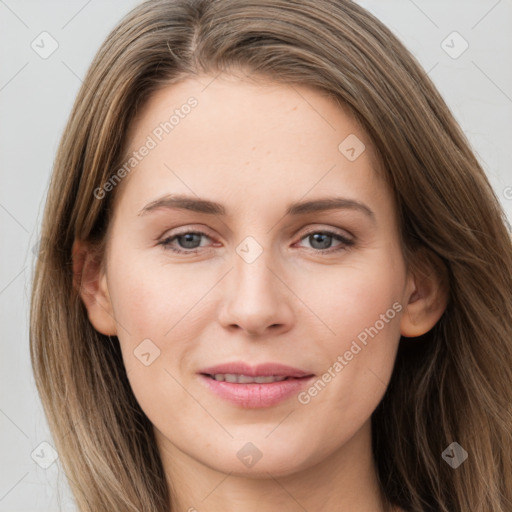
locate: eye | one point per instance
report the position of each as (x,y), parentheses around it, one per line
(189,240)
(321,240)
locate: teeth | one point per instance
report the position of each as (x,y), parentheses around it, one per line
(266,380)
(245,379)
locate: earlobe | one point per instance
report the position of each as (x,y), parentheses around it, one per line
(427,297)
(90,282)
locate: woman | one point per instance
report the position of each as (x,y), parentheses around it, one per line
(252,371)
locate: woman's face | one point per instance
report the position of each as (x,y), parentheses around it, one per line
(268,275)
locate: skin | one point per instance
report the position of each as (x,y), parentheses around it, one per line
(256,148)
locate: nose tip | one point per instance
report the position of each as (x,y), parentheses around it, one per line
(256,320)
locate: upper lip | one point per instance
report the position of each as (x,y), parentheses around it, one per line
(261,370)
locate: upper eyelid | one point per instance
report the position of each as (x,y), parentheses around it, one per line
(334,230)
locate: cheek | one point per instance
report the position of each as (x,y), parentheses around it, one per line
(161,311)
(350,298)
(152,297)
(360,309)
(155,318)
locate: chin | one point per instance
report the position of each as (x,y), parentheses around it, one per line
(259,458)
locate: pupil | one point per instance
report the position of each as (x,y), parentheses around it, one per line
(188,239)
(325,243)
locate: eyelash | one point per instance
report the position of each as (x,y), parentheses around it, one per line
(346,242)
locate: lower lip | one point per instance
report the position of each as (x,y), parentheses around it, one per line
(252,396)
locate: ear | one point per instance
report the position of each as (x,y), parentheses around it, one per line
(90,281)
(427,295)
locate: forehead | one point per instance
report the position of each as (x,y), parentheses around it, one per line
(245,139)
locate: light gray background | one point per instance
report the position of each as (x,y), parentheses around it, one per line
(36,97)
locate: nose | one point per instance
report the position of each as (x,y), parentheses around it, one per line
(256,299)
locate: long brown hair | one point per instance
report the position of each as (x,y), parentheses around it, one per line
(453,384)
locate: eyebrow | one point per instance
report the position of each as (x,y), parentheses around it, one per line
(198,205)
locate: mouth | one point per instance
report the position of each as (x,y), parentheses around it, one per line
(250,387)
